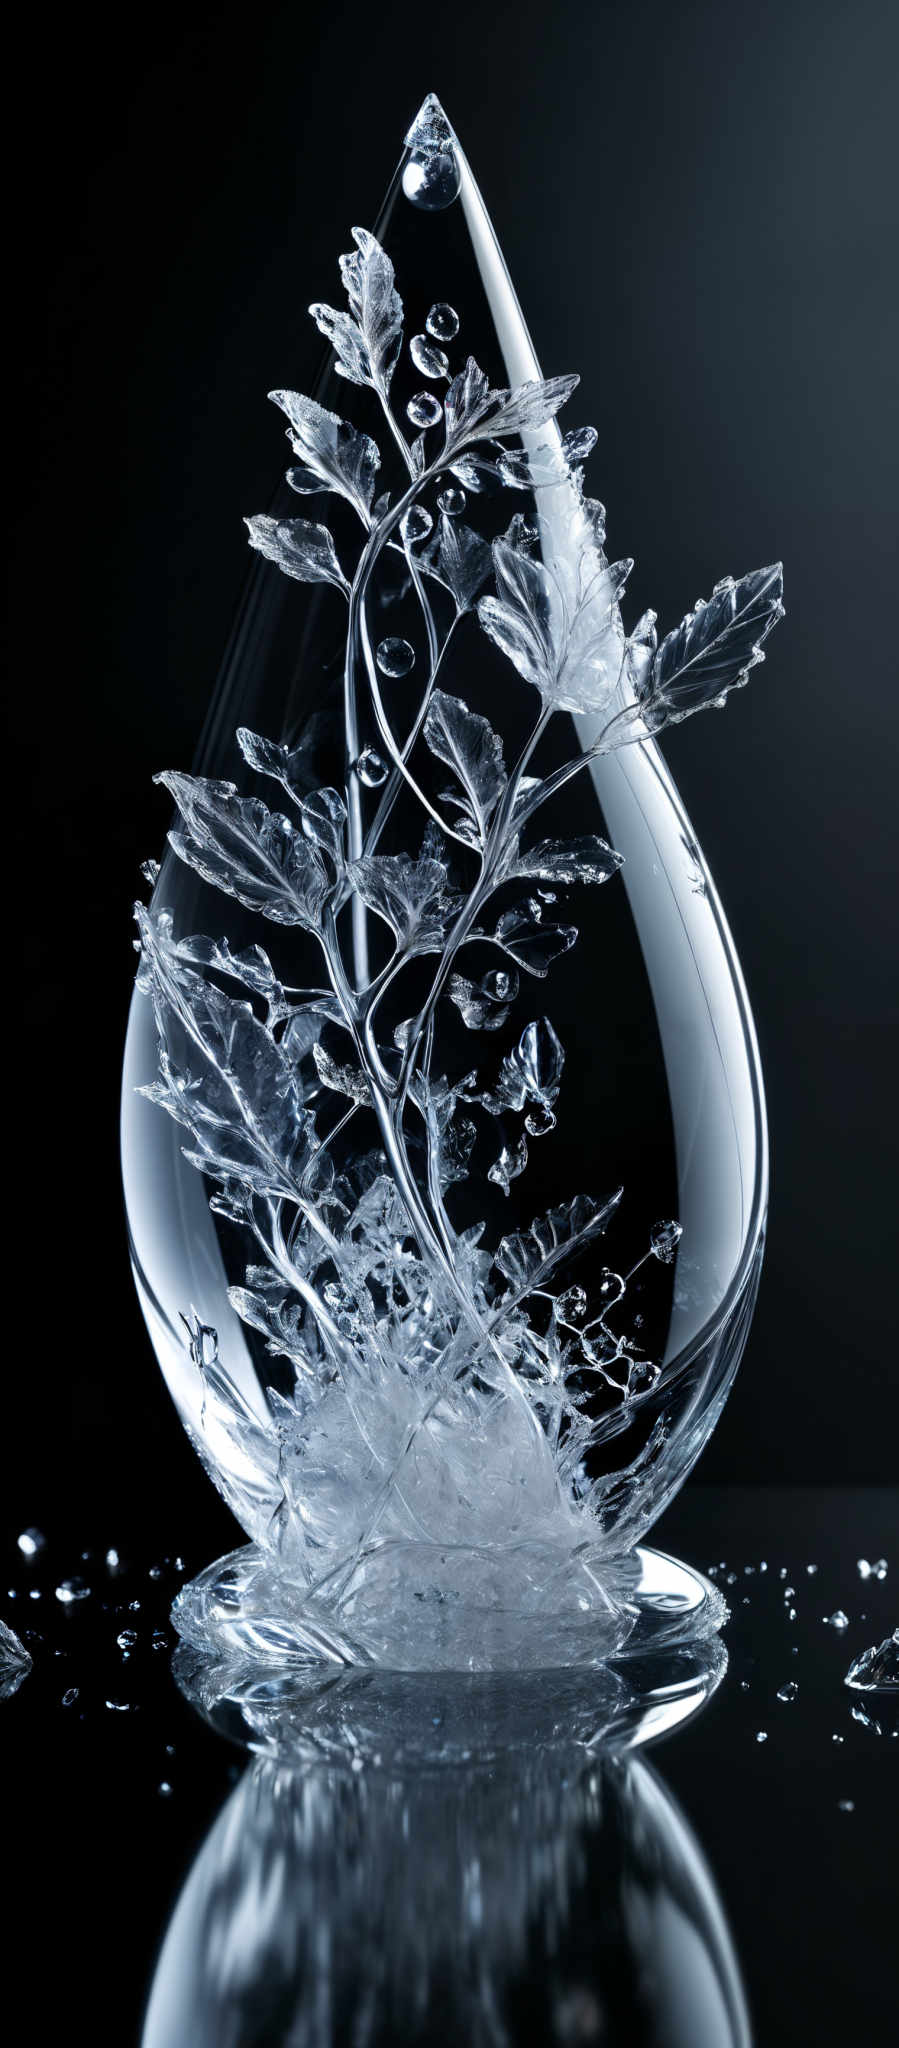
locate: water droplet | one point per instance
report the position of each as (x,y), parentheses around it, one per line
(178,1564)
(159,1639)
(69,1698)
(371,769)
(791,1613)
(878,1570)
(744,1685)
(811,1569)
(134,1606)
(837,1620)
(432,182)
(35,1593)
(838,1738)
(789,1592)
(424,409)
(127,1638)
(443,322)
(452,501)
(155,1572)
(430,360)
(731,1579)
(165,1790)
(112,1560)
(846,1805)
(395,657)
(664,1239)
(118,1706)
(789,1692)
(415,523)
(31,1542)
(761,1736)
(71,1590)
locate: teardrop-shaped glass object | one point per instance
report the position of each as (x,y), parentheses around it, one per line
(443,1130)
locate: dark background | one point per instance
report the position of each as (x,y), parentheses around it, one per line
(698,208)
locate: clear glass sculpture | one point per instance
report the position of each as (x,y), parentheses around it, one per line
(443,1127)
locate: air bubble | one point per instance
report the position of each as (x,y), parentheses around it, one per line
(127,1639)
(395,657)
(431,361)
(452,501)
(789,1692)
(424,409)
(443,322)
(371,769)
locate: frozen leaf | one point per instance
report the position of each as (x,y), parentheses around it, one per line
(252,966)
(223,1076)
(295,767)
(241,846)
(323,818)
(467,743)
(528,469)
(460,559)
(527,1259)
(367,340)
(714,647)
(468,398)
(533,944)
(484,1005)
(343,1079)
(566,860)
(411,896)
(333,454)
(511,1162)
(527,617)
(530,1073)
(474,412)
(301,549)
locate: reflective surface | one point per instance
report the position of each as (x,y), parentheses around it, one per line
(156,1869)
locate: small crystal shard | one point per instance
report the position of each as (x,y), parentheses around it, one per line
(762,1735)
(837,1619)
(878,1570)
(877,1668)
(15,1662)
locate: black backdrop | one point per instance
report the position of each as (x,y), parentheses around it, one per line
(699,210)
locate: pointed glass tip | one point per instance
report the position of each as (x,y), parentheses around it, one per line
(432,177)
(430,132)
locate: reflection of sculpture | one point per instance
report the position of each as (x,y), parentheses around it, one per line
(495,1879)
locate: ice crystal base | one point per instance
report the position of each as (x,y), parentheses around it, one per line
(441,1607)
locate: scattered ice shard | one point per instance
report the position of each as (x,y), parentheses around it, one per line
(15,1662)
(877,1669)
(837,1619)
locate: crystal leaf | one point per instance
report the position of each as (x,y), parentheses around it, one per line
(460,560)
(252,966)
(246,849)
(333,454)
(481,1007)
(533,944)
(528,1258)
(343,1079)
(511,1162)
(566,860)
(223,1076)
(467,743)
(411,896)
(301,549)
(368,339)
(714,647)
